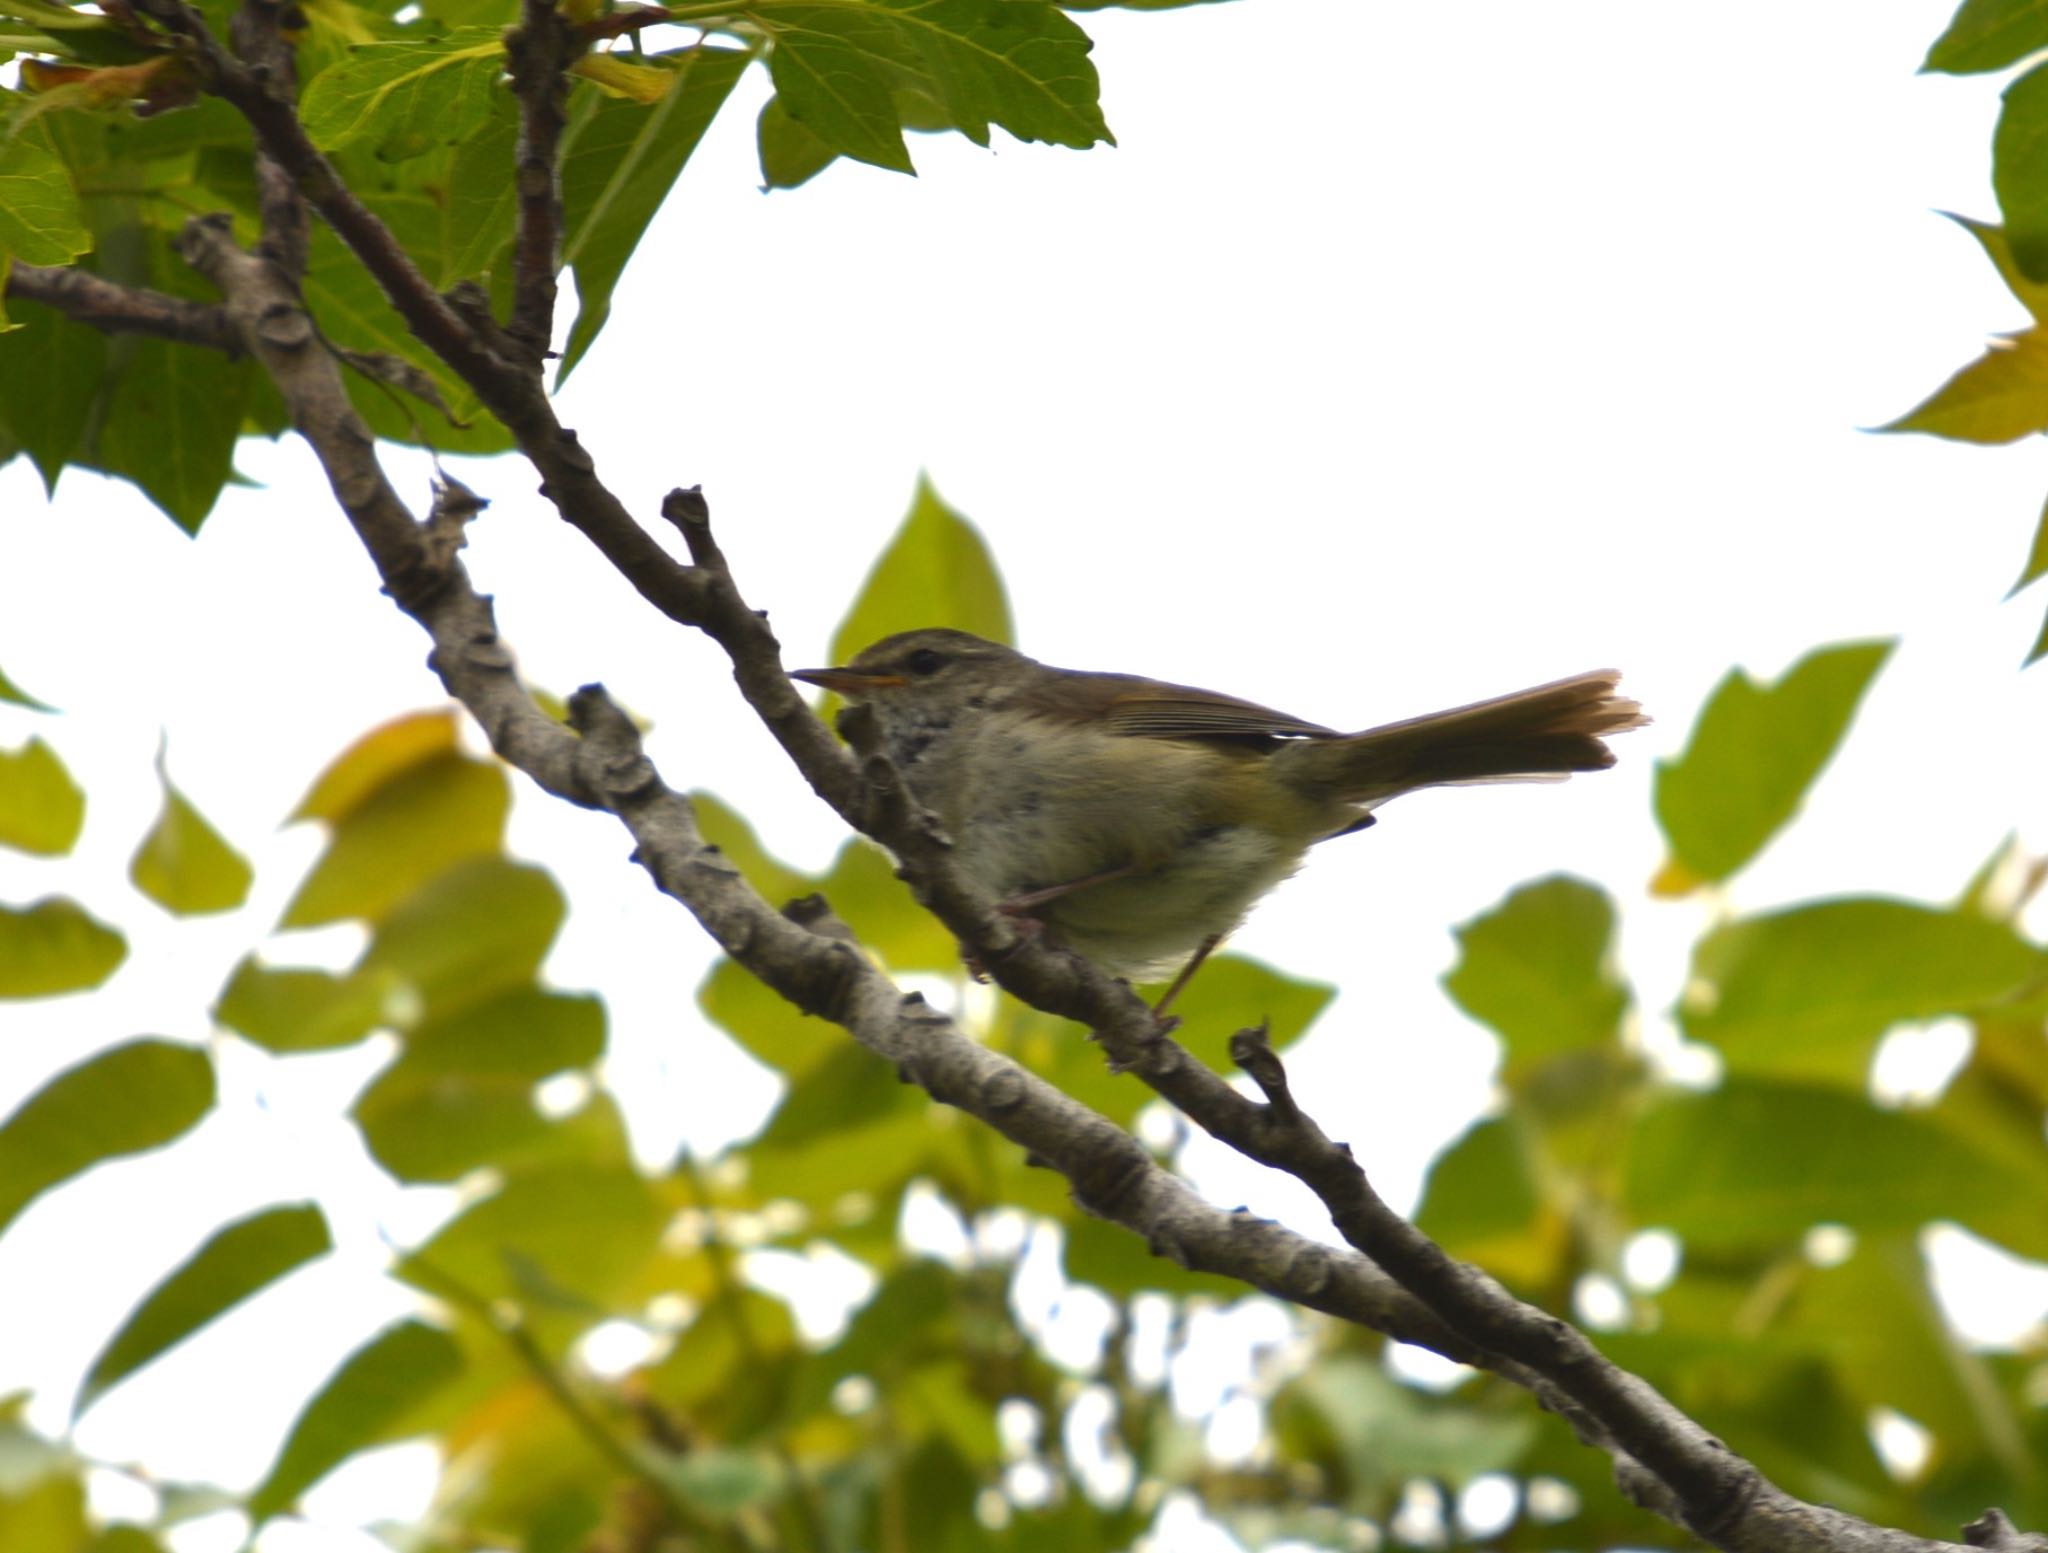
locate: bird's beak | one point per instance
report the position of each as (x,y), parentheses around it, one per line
(848,682)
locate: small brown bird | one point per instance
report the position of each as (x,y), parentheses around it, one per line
(1140,820)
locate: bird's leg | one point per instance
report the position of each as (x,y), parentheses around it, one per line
(1022,905)
(1187,974)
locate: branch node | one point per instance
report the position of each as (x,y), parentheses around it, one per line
(1003,1090)
(1252,1050)
(1994,1529)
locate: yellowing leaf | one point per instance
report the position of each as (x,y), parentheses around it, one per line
(622,78)
(374,760)
(937,570)
(54,946)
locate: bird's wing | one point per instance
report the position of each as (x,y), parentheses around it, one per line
(1152,709)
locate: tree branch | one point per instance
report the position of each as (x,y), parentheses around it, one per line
(258,35)
(112,308)
(540,48)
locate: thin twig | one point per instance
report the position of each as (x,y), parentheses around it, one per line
(540,49)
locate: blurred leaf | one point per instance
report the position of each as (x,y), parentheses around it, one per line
(935,571)
(2001,395)
(368,1401)
(234,1263)
(851,1088)
(407,97)
(1537,969)
(184,864)
(724,1482)
(42,810)
(420,822)
(863,888)
(480,928)
(725,828)
(134,1097)
(1756,1163)
(767,1024)
(1809,990)
(590,1228)
(295,1009)
(2019,171)
(1483,1204)
(46,1515)
(1989,35)
(1109,1257)
(619,160)
(1754,752)
(16,696)
(526,1033)
(1387,1434)
(424,1126)
(738,1341)
(373,762)
(53,947)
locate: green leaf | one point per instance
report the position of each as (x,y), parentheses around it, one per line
(1989,35)
(296,1009)
(790,154)
(721,1482)
(482,204)
(1109,1257)
(233,1264)
(589,1228)
(173,426)
(2000,397)
(1754,752)
(935,571)
(1758,1163)
(767,1024)
(185,865)
(40,218)
(51,372)
(471,933)
(1387,1433)
(369,1401)
(2019,171)
(2037,558)
(831,67)
(16,696)
(376,760)
(42,810)
(2040,648)
(426,818)
(1020,65)
(619,160)
(461,1096)
(1537,970)
(134,1097)
(54,946)
(1482,1204)
(406,98)
(1810,990)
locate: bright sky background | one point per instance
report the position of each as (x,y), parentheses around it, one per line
(1399,355)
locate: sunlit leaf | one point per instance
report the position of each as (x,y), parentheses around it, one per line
(767,1024)
(134,1097)
(234,1263)
(368,1401)
(373,762)
(935,571)
(1753,754)
(424,819)
(408,97)
(54,946)
(1482,1204)
(185,865)
(42,810)
(2019,168)
(1537,970)
(41,221)
(1809,990)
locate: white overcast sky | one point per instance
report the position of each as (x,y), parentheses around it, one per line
(1398,355)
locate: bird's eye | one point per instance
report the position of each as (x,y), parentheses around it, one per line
(925,661)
